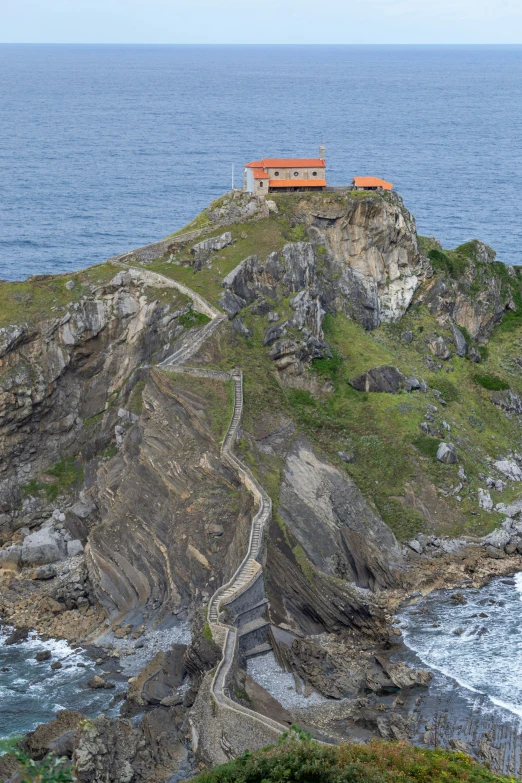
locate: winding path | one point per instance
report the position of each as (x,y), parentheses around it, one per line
(250,568)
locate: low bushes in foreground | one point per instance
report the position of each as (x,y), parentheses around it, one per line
(305,761)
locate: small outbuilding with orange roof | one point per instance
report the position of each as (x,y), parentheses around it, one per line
(371,183)
(284,175)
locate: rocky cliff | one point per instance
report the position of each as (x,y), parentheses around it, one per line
(381,414)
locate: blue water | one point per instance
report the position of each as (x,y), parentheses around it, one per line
(103,148)
(32,693)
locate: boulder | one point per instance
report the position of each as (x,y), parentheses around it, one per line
(231,303)
(96,682)
(43,546)
(240,328)
(415,545)
(485,500)
(202,250)
(446,453)
(18,635)
(439,348)
(385,379)
(474,355)
(45,572)
(407,337)
(509,468)
(52,736)
(274,333)
(43,655)
(74,547)
(11,557)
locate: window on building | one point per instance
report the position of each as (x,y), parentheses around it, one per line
(261,184)
(314,173)
(276,173)
(296,173)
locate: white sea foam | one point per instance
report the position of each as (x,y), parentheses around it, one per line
(483,654)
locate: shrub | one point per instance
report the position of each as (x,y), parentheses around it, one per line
(193,318)
(448,389)
(490,382)
(300,760)
(426,445)
(328,367)
(52,769)
(449,262)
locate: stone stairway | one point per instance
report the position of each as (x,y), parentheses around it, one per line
(245,722)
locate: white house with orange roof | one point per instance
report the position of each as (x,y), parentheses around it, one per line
(283,175)
(371,183)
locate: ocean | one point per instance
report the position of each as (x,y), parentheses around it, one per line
(105,148)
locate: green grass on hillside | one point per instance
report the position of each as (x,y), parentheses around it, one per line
(259,237)
(34,298)
(297,761)
(395,466)
(45,296)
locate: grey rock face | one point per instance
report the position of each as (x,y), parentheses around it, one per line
(231,303)
(485,500)
(446,453)
(507,400)
(202,251)
(461,345)
(439,348)
(474,355)
(385,379)
(509,468)
(308,313)
(241,329)
(331,520)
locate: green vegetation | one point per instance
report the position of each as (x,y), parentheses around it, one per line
(207,632)
(490,382)
(59,480)
(250,238)
(300,760)
(193,318)
(449,391)
(426,445)
(45,295)
(135,404)
(303,562)
(52,769)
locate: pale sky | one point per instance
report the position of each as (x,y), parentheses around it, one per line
(262,21)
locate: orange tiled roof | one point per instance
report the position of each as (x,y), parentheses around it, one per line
(372,182)
(286,163)
(260,174)
(297,183)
